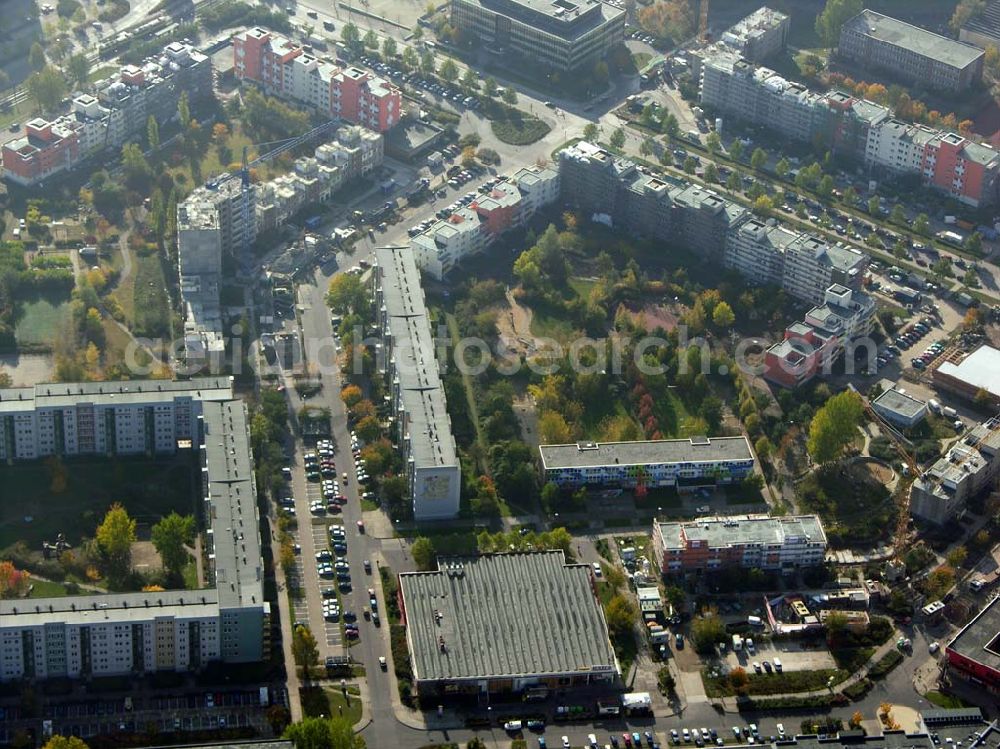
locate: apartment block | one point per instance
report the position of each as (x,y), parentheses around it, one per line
(948,162)
(554,35)
(114,111)
(810,347)
(686,464)
(909,53)
(780,544)
(407,357)
(812,265)
(473,228)
(283,68)
(758,36)
(134,633)
(756,249)
(969,467)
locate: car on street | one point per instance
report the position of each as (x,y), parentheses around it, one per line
(512,726)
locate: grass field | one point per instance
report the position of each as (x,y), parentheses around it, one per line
(46,589)
(331,702)
(40,319)
(149,295)
(148,488)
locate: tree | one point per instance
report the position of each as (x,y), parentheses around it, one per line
(553,428)
(825,186)
(324,733)
(490,86)
(957,556)
(65,742)
(834,426)
(153,133)
(620,614)
(36,57)
(470,80)
(78,68)
(47,87)
(410,59)
(763,205)
(857,718)
(4,80)
(723,316)
(304,649)
(670,126)
(184,111)
(736,149)
(370,40)
(13,582)
(590,132)
(759,158)
(115,536)
(449,71)
(668,19)
(734,182)
(510,96)
(850,196)
(617,139)
(898,215)
(349,34)
(834,14)
(423,553)
(138,174)
(965,11)
(974,243)
(713,142)
(781,168)
(346,293)
(389,48)
(763,447)
(646,147)
(427,66)
(873,205)
(707,629)
(170,536)
(942,268)
(351,395)
(922,224)
(711,172)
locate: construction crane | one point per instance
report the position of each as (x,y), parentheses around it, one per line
(273,149)
(703,20)
(903,509)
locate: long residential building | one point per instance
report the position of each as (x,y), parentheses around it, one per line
(554,35)
(811,347)
(471,229)
(969,467)
(284,68)
(109,114)
(780,544)
(946,161)
(760,35)
(618,192)
(909,53)
(686,464)
(407,357)
(135,633)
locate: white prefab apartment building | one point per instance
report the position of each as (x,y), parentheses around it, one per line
(134,633)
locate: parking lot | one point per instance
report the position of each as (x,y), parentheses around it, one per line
(792,657)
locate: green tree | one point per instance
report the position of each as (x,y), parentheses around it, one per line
(47,87)
(850,196)
(646,147)
(36,57)
(763,205)
(759,158)
(510,96)
(781,168)
(153,133)
(370,40)
(713,142)
(723,316)
(707,629)
(470,80)
(324,733)
(423,553)
(690,165)
(670,126)
(620,614)
(115,536)
(922,224)
(170,536)
(834,15)
(449,71)
(734,182)
(410,59)
(763,447)
(617,139)
(942,268)
(184,111)
(490,86)
(590,132)
(349,34)
(898,215)
(974,243)
(825,186)
(138,174)
(711,172)
(736,149)
(389,48)
(78,68)
(346,294)
(427,66)
(304,649)
(873,205)
(957,556)
(834,426)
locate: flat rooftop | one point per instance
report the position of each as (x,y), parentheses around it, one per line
(979,369)
(899,403)
(645,452)
(504,615)
(923,42)
(760,530)
(979,640)
(567,19)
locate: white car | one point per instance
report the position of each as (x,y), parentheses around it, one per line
(781,729)
(512,726)
(565,742)
(933,647)
(592,739)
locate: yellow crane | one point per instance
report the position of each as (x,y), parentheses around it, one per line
(703,20)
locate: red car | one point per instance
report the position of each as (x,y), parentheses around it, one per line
(626,739)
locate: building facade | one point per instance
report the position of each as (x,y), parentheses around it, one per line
(117,108)
(974,653)
(686,464)
(407,358)
(555,35)
(909,53)
(283,68)
(781,544)
(135,633)
(760,35)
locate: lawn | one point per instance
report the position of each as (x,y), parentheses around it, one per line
(767,684)
(148,488)
(149,295)
(855,509)
(46,589)
(946,701)
(40,319)
(332,702)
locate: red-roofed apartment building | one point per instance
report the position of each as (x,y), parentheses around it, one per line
(44,149)
(284,68)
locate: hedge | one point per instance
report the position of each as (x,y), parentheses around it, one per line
(885,664)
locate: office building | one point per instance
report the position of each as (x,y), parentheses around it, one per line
(473,228)
(135,633)
(758,36)
(969,467)
(945,161)
(116,109)
(908,53)
(505,624)
(974,653)
(548,35)
(983,29)
(283,68)
(781,544)
(976,373)
(686,464)
(407,358)
(811,347)
(901,410)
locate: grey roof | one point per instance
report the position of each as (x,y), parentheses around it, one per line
(979,369)
(722,532)
(512,614)
(987,22)
(645,452)
(567,19)
(977,640)
(951,715)
(923,42)
(96,608)
(58,395)
(858,740)
(265,744)
(899,403)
